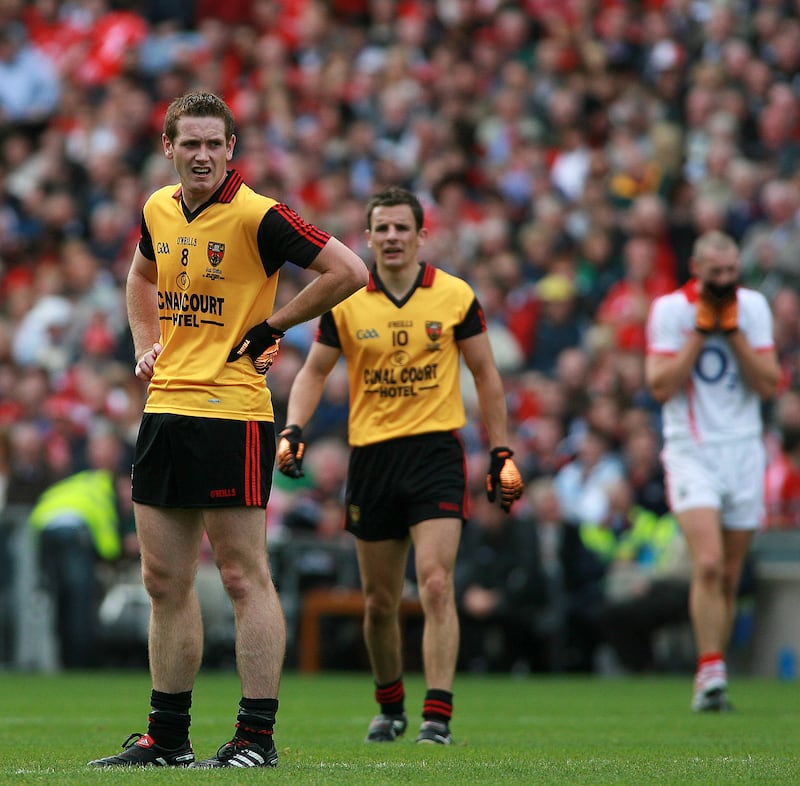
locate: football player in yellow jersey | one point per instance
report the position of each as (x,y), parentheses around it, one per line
(402,337)
(200,290)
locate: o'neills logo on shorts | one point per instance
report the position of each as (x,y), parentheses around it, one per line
(355,513)
(222,493)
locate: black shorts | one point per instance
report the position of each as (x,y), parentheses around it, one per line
(395,484)
(192,462)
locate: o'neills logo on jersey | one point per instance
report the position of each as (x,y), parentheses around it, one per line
(215,251)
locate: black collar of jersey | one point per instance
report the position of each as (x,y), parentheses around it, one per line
(224,194)
(424,279)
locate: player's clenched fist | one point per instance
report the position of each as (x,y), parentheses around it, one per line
(147,362)
(504,476)
(261,343)
(290,451)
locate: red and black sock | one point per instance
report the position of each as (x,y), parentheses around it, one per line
(438,705)
(256,720)
(391,697)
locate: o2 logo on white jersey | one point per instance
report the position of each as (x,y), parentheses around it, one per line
(712,365)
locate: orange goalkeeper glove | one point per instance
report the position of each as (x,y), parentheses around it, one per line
(706,314)
(503,475)
(290,451)
(729,311)
(717,308)
(261,343)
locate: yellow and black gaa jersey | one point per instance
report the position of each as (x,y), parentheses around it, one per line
(402,356)
(217,275)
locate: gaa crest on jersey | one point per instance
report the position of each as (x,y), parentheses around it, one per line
(434,332)
(215,251)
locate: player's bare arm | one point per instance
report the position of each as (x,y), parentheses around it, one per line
(503,478)
(140,294)
(304,397)
(759,368)
(667,374)
(309,383)
(477,354)
(341,272)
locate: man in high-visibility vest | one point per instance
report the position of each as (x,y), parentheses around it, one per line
(80,520)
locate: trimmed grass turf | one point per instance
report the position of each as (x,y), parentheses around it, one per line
(532,730)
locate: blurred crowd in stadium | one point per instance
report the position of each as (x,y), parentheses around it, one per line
(567,153)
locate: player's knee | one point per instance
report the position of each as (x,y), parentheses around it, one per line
(162,584)
(235,581)
(709,570)
(379,607)
(436,590)
(240,578)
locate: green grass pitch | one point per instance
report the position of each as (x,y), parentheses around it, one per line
(507,730)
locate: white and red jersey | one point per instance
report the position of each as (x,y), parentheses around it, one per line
(716,405)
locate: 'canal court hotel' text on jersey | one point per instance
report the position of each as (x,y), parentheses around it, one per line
(217,276)
(404,361)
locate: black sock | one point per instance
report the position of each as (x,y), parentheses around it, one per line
(391,697)
(169,720)
(256,720)
(438,705)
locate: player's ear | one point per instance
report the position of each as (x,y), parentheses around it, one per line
(368,237)
(422,235)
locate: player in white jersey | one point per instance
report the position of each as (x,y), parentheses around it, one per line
(710,361)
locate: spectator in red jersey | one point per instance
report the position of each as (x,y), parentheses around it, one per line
(54,33)
(783,504)
(627,302)
(779,445)
(648,217)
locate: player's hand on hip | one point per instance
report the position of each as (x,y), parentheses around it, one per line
(503,477)
(261,344)
(290,451)
(146,363)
